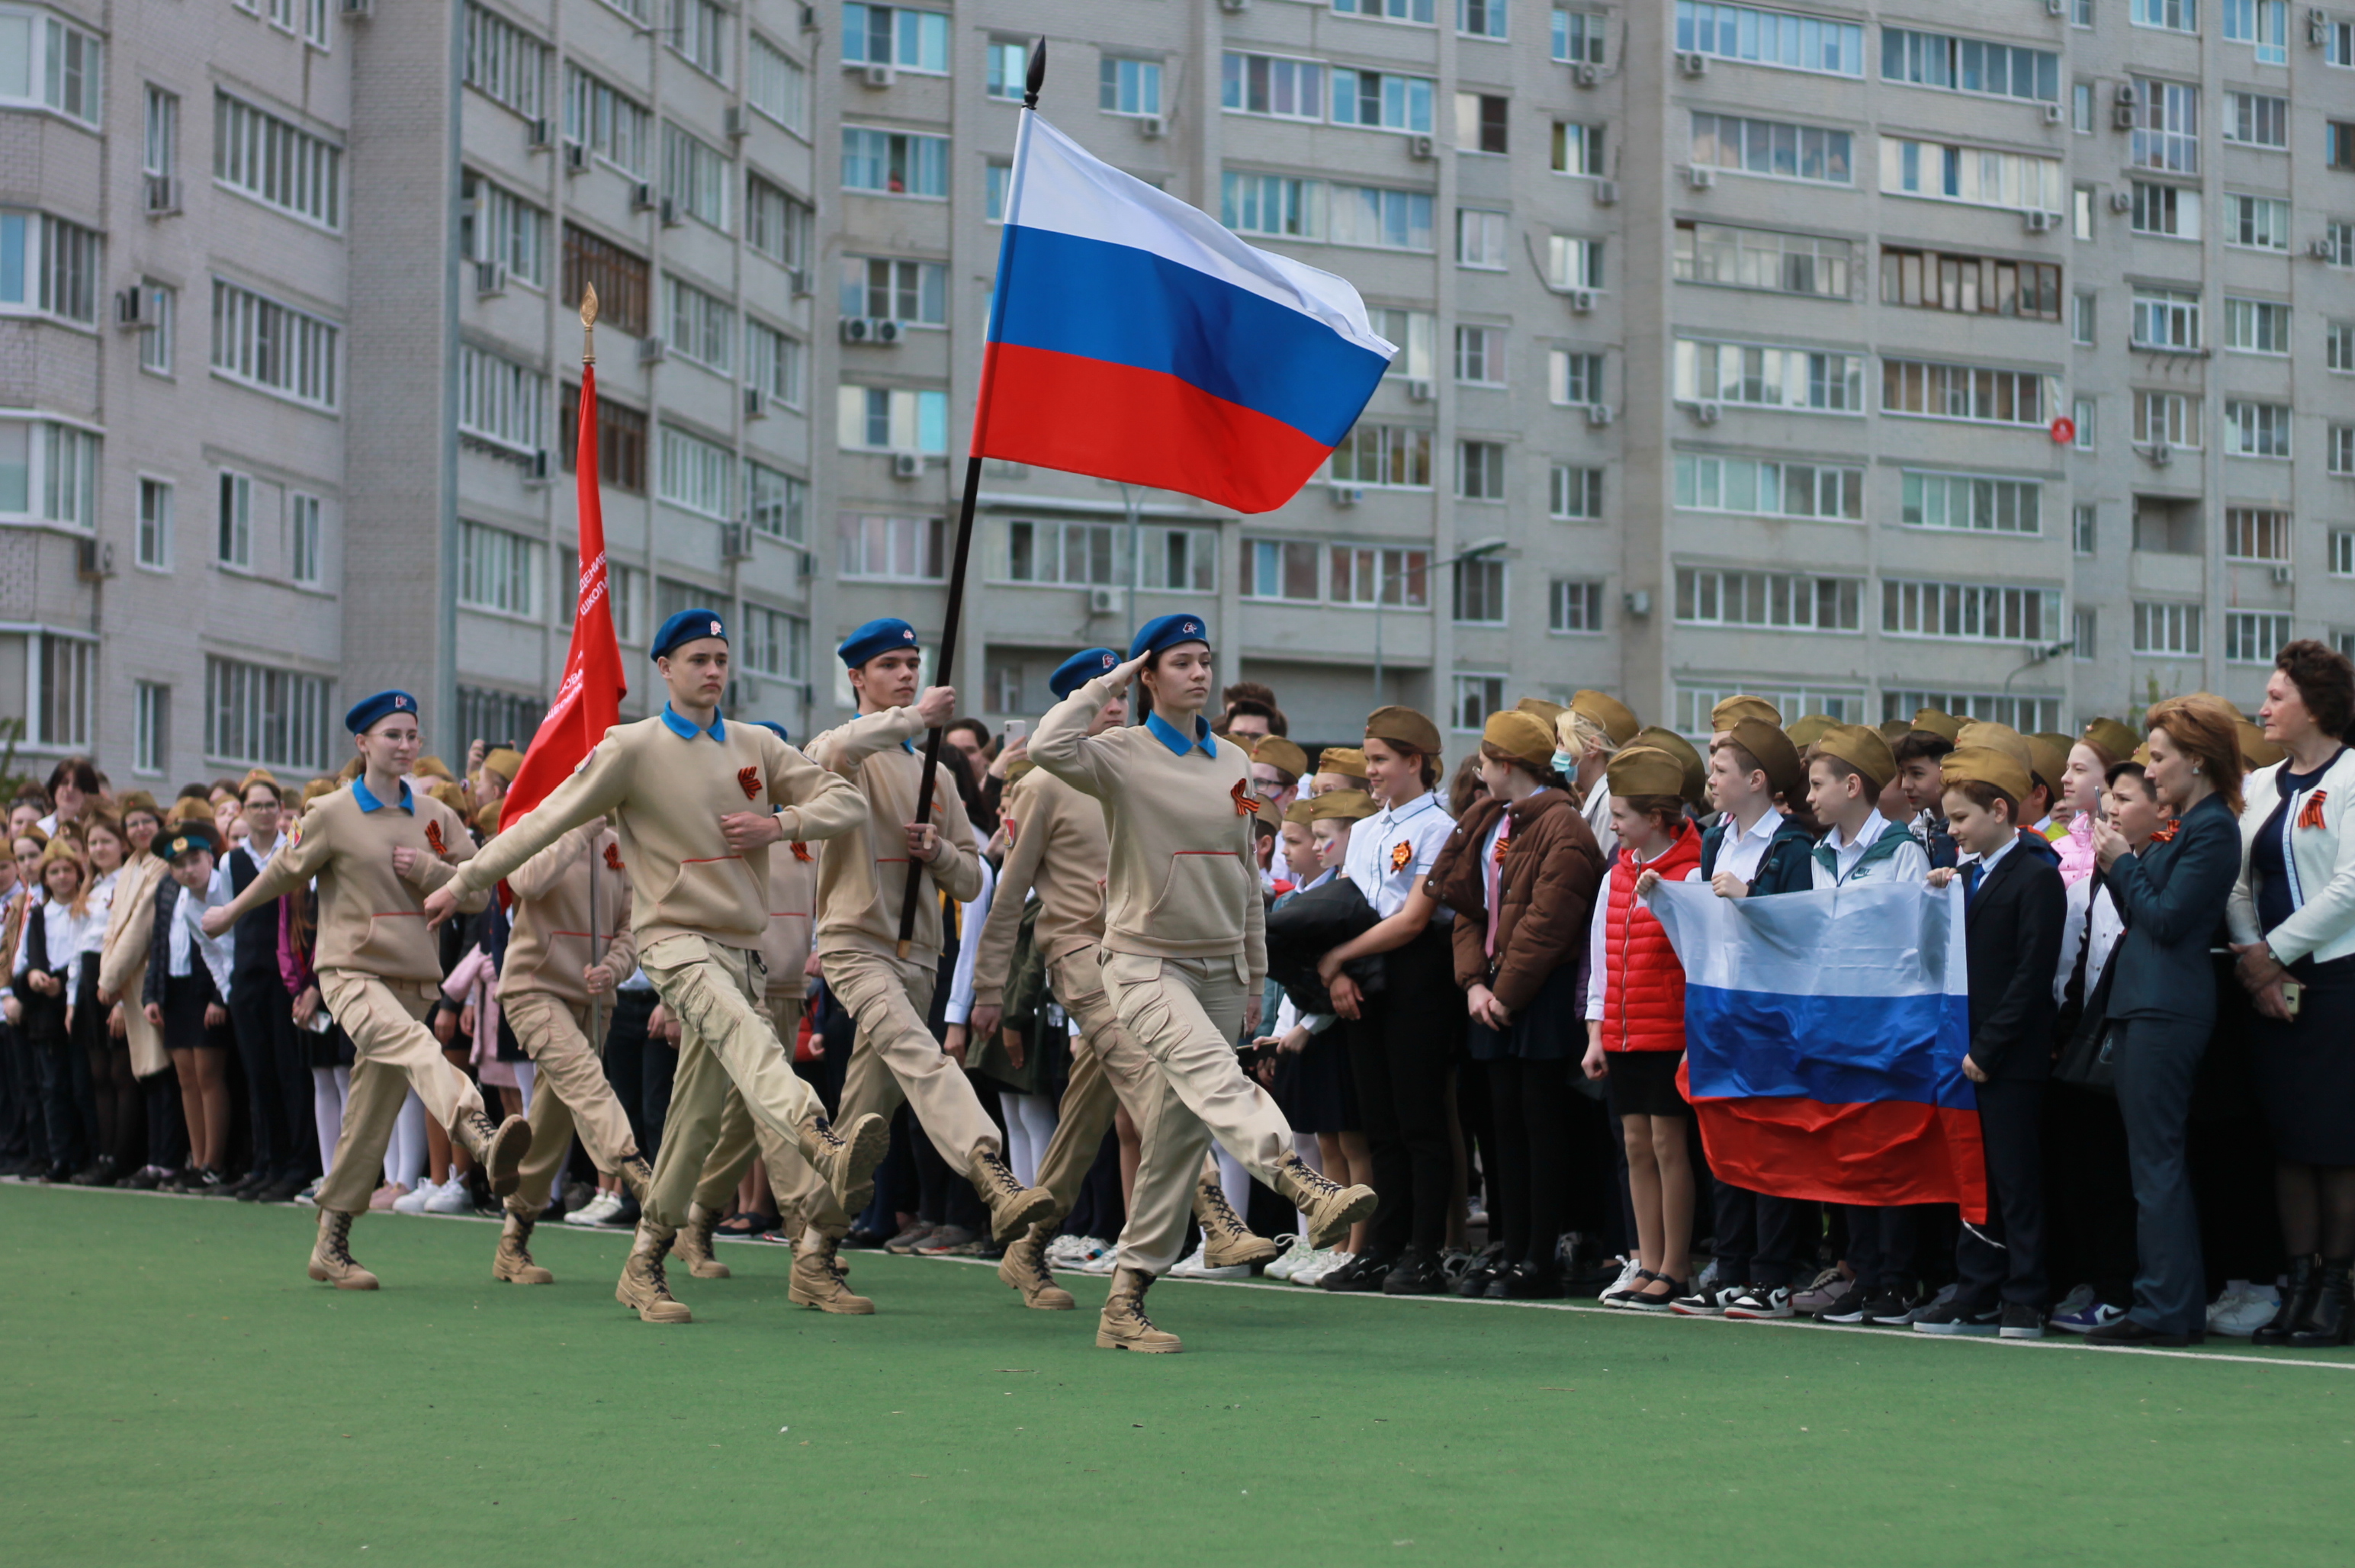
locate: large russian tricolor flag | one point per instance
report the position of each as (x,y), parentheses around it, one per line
(1133,338)
(1824,1041)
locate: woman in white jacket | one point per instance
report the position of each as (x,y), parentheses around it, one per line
(2293,922)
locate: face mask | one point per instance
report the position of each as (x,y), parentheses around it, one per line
(1565,764)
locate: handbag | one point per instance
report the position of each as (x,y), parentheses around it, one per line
(2090,1058)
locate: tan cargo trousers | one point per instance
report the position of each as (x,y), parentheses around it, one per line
(895,1058)
(803,1198)
(572,1094)
(393,1052)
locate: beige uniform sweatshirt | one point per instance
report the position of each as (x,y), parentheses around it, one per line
(670,791)
(553,939)
(793,913)
(863,875)
(1059,849)
(130,922)
(1182,882)
(371,920)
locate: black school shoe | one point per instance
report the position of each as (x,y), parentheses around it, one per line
(1527,1282)
(2128,1333)
(1416,1274)
(2021,1321)
(1365,1271)
(1953,1318)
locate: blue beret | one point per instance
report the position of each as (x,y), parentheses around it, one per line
(1080,668)
(1165,631)
(775,729)
(875,639)
(368,710)
(686,627)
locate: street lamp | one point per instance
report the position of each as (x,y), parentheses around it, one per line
(1381,587)
(2036,656)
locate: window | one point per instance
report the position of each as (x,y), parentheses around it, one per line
(272,347)
(2166,127)
(150,728)
(1573,263)
(2256,430)
(2256,119)
(160,154)
(2256,326)
(2176,16)
(1272,84)
(1273,204)
(774,642)
(501,402)
(2167,419)
(1983,285)
(1480,239)
(1128,86)
(1774,600)
(1766,37)
(1482,121)
(1390,219)
(497,569)
(894,163)
(2081,415)
(1967,65)
(1388,10)
(2081,108)
(1575,379)
(1007,70)
(1577,149)
(1967,392)
(1970,612)
(1476,696)
(1769,378)
(1179,560)
(874,420)
(2167,629)
(51,267)
(1479,472)
(2342,552)
(264,714)
(2165,318)
(2082,307)
(1761,259)
(498,716)
(696,176)
(1975,502)
(2081,212)
(1414,332)
(775,224)
(2169,210)
(2257,222)
(995,177)
(2338,143)
(907,549)
(773,362)
(1480,356)
(2254,636)
(2025,714)
(47,62)
(1771,147)
(1481,18)
(48,473)
(625,590)
(1767,488)
(496,224)
(302,540)
(2339,454)
(2082,641)
(1578,37)
(1387,455)
(779,503)
(154,542)
(1076,554)
(619,277)
(1365,575)
(1694,704)
(2081,15)
(776,85)
(277,163)
(1575,494)
(2338,345)
(2264,23)
(1979,177)
(504,63)
(894,35)
(1574,606)
(234,546)
(698,325)
(1281,569)
(2253,533)
(611,124)
(694,473)
(2337,39)
(2084,528)
(698,34)
(1480,593)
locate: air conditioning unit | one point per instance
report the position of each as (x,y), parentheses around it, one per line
(2053,114)
(735,542)
(163,195)
(1421,147)
(2322,249)
(2041,222)
(1152,127)
(2161,455)
(2125,94)
(2281,576)
(1708,412)
(2122,116)
(1693,63)
(576,158)
(2121,201)
(1700,176)
(907,465)
(653,350)
(642,196)
(1103,601)
(1598,414)
(756,403)
(878,76)
(541,136)
(1586,73)
(1420,392)
(130,310)
(1346,494)
(93,559)
(2055,8)
(1606,193)
(667,211)
(732,124)
(879,330)
(1581,300)
(359,8)
(797,282)
(490,279)
(2317,29)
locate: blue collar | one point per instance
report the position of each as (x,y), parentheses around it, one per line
(909,747)
(368,801)
(1168,734)
(686,732)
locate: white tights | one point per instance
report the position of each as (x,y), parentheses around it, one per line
(404,1152)
(1029,1127)
(329,1085)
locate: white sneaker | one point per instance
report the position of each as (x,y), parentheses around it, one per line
(2242,1310)
(1068,1251)
(1320,1265)
(1628,1270)
(1299,1252)
(1103,1262)
(309,1197)
(1193,1266)
(414,1200)
(451,1197)
(597,1210)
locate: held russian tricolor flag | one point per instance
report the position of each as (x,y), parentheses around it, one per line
(1824,1041)
(1133,338)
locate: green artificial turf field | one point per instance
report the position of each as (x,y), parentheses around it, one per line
(177,1392)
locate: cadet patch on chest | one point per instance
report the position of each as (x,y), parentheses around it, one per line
(434,841)
(1246,803)
(1401,853)
(613,857)
(749,781)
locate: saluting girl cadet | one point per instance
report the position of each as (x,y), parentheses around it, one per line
(378,851)
(862,879)
(693,795)
(1184,950)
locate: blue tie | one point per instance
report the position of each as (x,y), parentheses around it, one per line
(1971,874)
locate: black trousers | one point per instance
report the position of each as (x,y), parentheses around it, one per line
(1401,1051)
(54,1060)
(167,1123)
(2089,1203)
(1881,1244)
(2004,1259)
(277,1063)
(628,1056)
(23,1136)
(1529,1110)
(1762,1239)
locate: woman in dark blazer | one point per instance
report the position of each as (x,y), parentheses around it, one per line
(2163,1001)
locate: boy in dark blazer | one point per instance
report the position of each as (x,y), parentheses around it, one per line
(2013,910)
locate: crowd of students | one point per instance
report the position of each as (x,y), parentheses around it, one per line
(1471,1008)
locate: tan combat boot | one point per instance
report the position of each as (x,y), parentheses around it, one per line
(514,1262)
(637,1177)
(1125,1326)
(844,1157)
(1331,1208)
(692,1245)
(1012,1206)
(1226,1239)
(1024,1267)
(331,1254)
(816,1281)
(642,1286)
(499,1149)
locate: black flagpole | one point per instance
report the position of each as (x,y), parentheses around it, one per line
(1035,79)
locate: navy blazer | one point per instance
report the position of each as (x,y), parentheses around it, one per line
(2173,899)
(2011,929)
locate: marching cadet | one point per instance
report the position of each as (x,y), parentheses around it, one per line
(1061,851)
(379,854)
(559,960)
(695,798)
(862,879)
(1184,949)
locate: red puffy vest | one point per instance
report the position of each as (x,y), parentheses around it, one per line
(1644,985)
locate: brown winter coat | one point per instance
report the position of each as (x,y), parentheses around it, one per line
(1552,867)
